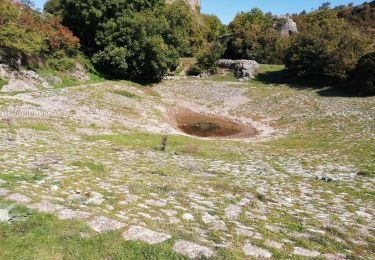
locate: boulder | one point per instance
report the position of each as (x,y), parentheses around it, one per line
(80,73)
(286,26)
(243,69)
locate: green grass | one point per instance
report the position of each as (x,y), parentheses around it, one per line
(176,144)
(125,93)
(72,82)
(43,236)
(35,126)
(94,167)
(3,83)
(13,179)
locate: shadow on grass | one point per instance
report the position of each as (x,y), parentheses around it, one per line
(283,77)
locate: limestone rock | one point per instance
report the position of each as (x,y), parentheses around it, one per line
(194,4)
(54,79)
(305,252)
(4,215)
(243,69)
(274,244)
(19,198)
(255,251)
(145,235)
(18,85)
(286,26)
(45,207)
(233,211)
(80,73)
(71,214)
(3,192)
(191,250)
(102,224)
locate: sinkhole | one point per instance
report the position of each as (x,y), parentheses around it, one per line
(204,125)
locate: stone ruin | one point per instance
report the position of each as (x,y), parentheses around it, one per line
(286,26)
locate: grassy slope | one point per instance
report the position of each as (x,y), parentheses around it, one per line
(43,236)
(3,83)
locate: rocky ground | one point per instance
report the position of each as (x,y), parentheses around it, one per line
(302,187)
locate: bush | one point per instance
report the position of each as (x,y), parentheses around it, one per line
(134,39)
(28,37)
(60,62)
(254,38)
(207,60)
(134,47)
(364,74)
(328,50)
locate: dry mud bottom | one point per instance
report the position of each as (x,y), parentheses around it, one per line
(203,125)
(269,171)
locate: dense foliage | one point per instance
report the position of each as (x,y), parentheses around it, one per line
(327,49)
(364,76)
(131,38)
(361,16)
(255,38)
(207,59)
(29,38)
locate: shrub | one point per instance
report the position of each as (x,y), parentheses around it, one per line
(60,62)
(28,37)
(364,74)
(328,50)
(134,39)
(18,45)
(254,38)
(207,59)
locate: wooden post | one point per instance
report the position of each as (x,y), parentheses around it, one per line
(164,141)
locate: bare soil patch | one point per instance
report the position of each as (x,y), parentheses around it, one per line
(204,125)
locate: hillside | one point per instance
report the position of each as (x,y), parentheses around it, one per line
(362,16)
(300,185)
(124,134)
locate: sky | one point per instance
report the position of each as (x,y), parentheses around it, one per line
(227,9)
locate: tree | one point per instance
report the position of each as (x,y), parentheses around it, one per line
(328,50)
(29,38)
(131,38)
(364,75)
(253,37)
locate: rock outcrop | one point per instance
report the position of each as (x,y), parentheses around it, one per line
(286,26)
(194,4)
(243,69)
(28,80)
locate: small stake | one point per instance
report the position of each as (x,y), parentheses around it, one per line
(163,145)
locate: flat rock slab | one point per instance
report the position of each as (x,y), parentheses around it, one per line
(19,198)
(4,215)
(305,252)
(335,257)
(255,251)
(102,224)
(274,244)
(233,211)
(3,192)
(45,207)
(72,214)
(192,250)
(145,235)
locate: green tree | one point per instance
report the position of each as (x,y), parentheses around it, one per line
(131,38)
(207,59)
(253,37)
(134,46)
(328,50)
(364,75)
